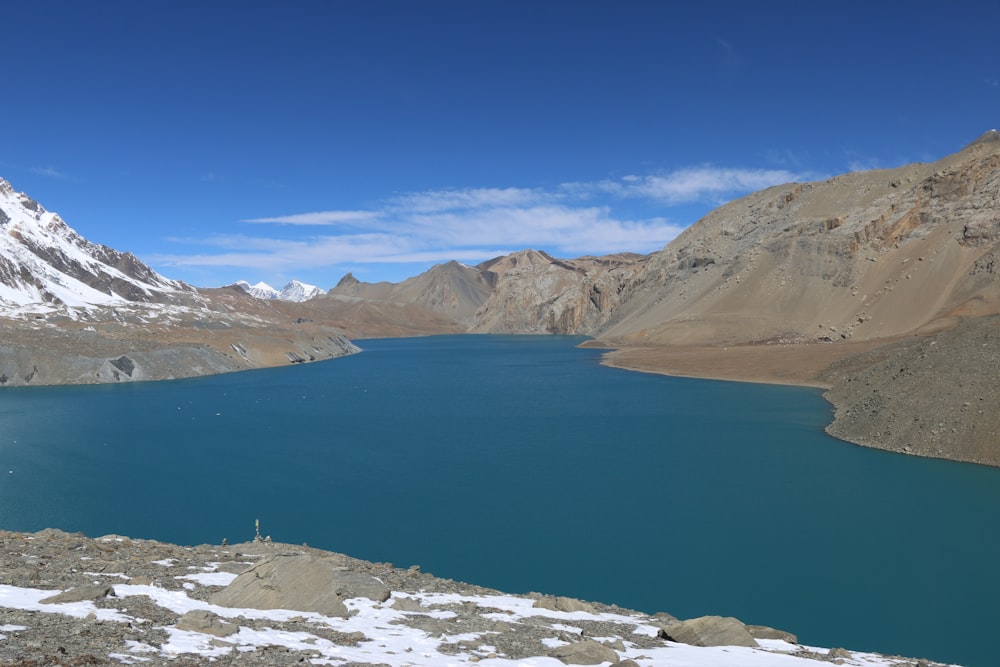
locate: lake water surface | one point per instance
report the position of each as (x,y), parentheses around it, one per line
(522,464)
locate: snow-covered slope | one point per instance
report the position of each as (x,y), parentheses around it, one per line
(296,291)
(45,265)
(293,291)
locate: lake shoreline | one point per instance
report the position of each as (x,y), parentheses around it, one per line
(861,380)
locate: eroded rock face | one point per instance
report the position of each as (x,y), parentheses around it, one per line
(535,293)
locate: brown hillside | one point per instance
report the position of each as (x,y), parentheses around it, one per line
(860,256)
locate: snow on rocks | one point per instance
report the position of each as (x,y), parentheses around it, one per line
(168,610)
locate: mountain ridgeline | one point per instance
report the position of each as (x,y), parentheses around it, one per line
(881,286)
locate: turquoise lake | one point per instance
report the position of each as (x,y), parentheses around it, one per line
(518,462)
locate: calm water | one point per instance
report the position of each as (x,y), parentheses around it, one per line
(520,463)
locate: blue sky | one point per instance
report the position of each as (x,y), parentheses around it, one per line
(276,140)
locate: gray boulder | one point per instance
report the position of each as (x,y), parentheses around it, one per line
(301,582)
(587,652)
(199,620)
(709,631)
(563,604)
(764,632)
(87,593)
(407,604)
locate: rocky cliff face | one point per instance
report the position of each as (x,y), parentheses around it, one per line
(535,293)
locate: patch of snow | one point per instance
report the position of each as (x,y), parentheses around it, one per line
(389,641)
(210,578)
(29,599)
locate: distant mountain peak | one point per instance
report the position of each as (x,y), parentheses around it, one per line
(294,291)
(348,280)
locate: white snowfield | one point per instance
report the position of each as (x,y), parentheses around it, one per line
(387,637)
(25,224)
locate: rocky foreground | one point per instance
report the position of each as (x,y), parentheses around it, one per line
(66,599)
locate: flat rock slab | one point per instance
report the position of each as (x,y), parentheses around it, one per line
(301,582)
(87,593)
(199,620)
(710,631)
(587,652)
(563,604)
(764,632)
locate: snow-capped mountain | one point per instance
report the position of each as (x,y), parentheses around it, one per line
(260,291)
(45,265)
(293,291)
(297,291)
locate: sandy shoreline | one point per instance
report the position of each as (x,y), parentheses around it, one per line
(792,364)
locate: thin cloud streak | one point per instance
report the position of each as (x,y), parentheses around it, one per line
(50,172)
(318,218)
(695,184)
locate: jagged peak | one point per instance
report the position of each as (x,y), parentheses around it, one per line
(348,280)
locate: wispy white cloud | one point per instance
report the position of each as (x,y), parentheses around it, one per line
(51,172)
(471,198)
(475,224)
(730,57)
(706,183)
(319,218)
